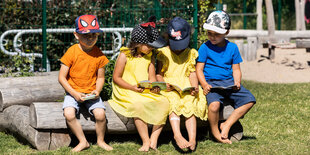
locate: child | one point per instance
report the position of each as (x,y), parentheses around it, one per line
(218,65)
(136,63)
(176,65)
(82,72)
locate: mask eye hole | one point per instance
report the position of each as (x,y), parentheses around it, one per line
(83,23)
(93,23)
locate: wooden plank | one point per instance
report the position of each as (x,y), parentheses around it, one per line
(49,115)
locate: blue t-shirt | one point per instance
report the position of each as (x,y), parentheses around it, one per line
(218,60)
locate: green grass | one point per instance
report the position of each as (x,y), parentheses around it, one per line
(278,124)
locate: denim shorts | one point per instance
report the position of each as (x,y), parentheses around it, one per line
(239,97)
(70,101)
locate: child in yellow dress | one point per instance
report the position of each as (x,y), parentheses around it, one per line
(176,65)
(136,63)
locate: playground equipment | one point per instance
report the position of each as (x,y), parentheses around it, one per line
(117,41)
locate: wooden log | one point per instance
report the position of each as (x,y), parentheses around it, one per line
(25,90)
(49,115)
(3,122)
(17,117)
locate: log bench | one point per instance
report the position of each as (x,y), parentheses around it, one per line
(44,127)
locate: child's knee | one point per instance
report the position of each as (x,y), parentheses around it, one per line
(99,114)
(70,113)
(214,107)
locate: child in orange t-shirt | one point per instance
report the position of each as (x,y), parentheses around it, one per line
(82,72)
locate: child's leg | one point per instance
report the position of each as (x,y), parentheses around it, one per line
(76,128)
(213,117)
(191,126)
(175,125)
(143,132)
(233,118)
(99,114)
(155,134)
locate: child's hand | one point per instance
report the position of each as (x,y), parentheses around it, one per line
(137,89)
(195,91)
(168,87)
(206,89)
(155,90)
(79,96)
(97,93)
(238,85)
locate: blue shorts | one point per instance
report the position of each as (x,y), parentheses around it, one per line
(70,101)
(239,97)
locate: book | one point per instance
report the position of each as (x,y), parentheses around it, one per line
(182,92)
(222,87)
(89,96)
(149,85)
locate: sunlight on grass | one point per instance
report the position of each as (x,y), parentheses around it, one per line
(277,124)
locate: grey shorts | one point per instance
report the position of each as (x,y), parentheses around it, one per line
(69,101)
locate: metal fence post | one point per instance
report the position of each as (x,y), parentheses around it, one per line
(195,35)
(44,34)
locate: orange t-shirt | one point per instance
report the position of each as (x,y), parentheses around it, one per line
(83,66)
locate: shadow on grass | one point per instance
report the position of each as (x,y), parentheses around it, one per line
(165,138)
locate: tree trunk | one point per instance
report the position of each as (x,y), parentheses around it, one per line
(25,90)
(270,18)
(300,13)
(259,19)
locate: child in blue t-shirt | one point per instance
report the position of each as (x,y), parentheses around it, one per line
(218,64)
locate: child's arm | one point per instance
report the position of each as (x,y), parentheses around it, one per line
(99,82)
(237,75)
(194,83)
(199,71)
(160,74)
(152,75)
(63,72)
(118,73)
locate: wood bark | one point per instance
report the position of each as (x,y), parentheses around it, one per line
(18,119)
(25,90)
(49,115)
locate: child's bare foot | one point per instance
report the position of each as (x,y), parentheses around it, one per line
(224,131)
(105,146)
(81,146)
(153,145)
(193,145)
(145,147)
(222,140)
(181,142)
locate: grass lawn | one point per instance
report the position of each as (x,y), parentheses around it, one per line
(278,124)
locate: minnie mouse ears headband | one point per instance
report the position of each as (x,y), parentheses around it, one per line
(147,33)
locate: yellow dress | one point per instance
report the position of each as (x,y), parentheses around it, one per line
(150,107)
(177,69)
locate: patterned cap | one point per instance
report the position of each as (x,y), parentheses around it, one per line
(179,33)
(218,21)
(147,34)
(87,24)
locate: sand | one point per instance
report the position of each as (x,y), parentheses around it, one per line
(289,66)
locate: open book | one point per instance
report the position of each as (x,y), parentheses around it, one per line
(148,85)
(162,85)
(182,91)
(222,87)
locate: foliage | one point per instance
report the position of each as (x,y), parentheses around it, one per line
(107,88)
(19,66)
(204,9)
(277,124)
